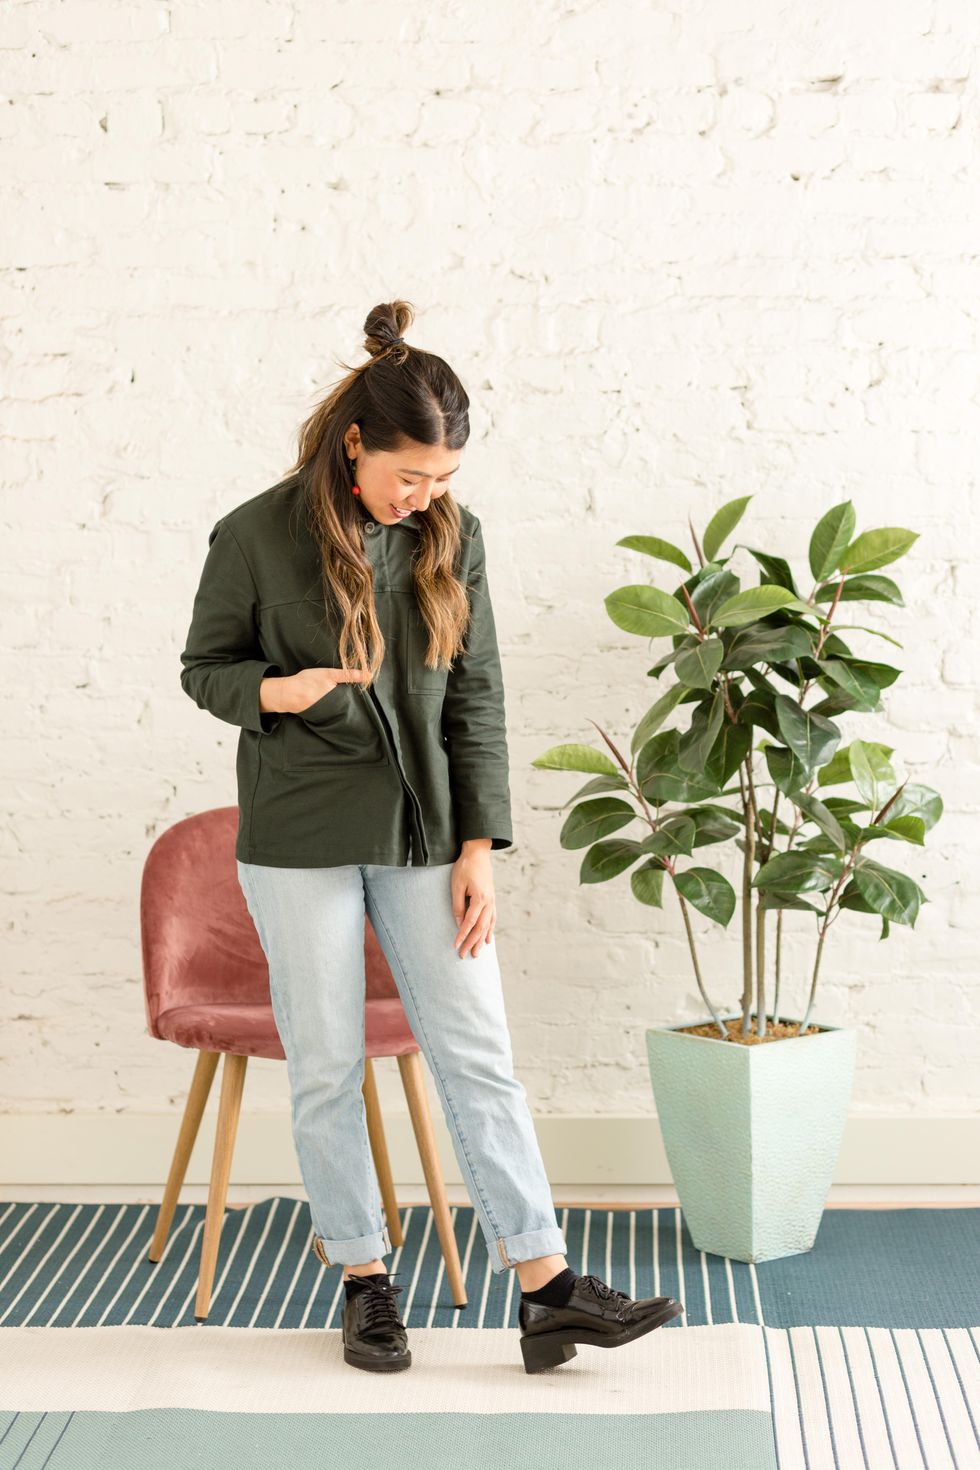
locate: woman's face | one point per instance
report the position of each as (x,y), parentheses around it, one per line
(401,480)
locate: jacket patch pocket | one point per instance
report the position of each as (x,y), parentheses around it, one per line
(337,730)
(421,680)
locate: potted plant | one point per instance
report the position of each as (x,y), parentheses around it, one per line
(732,752)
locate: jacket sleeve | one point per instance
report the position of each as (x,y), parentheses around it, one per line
(474,719)
(222,664)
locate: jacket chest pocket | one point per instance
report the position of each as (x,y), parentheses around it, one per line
(336,731)
(421,680)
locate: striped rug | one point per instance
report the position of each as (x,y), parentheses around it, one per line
(864,1352)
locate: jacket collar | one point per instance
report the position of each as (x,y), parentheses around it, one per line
(408,523)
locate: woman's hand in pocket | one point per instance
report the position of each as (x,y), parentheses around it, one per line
(301,691)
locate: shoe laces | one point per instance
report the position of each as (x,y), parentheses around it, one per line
(608,1293)
(378,1299)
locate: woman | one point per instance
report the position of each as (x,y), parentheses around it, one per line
(343,623)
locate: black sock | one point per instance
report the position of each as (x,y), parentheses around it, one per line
(353,1283)
(554,1293)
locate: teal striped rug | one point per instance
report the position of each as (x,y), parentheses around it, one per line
(864,1352)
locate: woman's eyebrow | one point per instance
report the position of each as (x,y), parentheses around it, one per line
(403,471)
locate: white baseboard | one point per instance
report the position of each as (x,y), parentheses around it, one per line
(134,1149)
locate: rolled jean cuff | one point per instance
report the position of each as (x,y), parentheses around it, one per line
(527,1247)
(355,1252)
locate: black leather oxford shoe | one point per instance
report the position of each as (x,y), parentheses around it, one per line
(373,1334)
(596,1314)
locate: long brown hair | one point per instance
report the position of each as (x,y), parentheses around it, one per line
(401,393)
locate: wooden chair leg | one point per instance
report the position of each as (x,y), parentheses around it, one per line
(379,1152)
(229,1107)
(197,1097)
(413,1081)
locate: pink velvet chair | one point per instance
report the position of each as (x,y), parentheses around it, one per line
(206,987)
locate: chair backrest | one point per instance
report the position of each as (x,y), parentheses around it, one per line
(199,943)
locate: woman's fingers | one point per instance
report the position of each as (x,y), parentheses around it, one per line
(476,927)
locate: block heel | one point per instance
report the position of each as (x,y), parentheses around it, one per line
(540,1354)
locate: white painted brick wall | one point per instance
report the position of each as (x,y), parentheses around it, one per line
(677,254)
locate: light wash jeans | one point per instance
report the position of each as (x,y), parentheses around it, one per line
(310,922)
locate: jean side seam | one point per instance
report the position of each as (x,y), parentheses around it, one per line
(287,1039)
(448,1095)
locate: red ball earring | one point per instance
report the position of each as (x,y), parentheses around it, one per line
(355,487)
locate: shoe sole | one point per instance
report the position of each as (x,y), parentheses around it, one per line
(548,1349)
(376,1365)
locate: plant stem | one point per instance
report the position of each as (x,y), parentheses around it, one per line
(827,921)
(779,966)
(634,787)
(813,985)
(760,968)
(760,925)
(697,969)
(748,860)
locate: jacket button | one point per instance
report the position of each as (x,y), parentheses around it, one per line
(370,526)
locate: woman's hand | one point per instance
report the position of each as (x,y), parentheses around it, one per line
(298,692)
(472,879)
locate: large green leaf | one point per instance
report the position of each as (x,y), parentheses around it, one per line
(881,675)
(647,883)
(722,524)
(813,738)
(786,769)
(776,569)
(597,784)
(824,818)
(707,891)
(863,589)
(759,709)
(845,806)
(695,744)
(698,668)
(681,642)
(609,858)
(917,801)
(871,773)
(594,819)
(799,872)
(876,548)
(674,837)
(755,603)
(763,644)
(851,899)
(860,687)
(661,779)
(654,546)
(656,715)
(774,898)
(574,757)
(903,829)
(709,589)
(646,611)
(728,752)
(713,824)
(830,539)
(892,894)
(838,768)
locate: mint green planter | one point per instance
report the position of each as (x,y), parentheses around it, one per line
(752,1133)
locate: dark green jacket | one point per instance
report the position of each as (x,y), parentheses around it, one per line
(421,751)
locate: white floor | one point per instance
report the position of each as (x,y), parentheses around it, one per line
(564,1194)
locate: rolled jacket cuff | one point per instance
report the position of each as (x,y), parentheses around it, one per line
(264,721)
(484,821)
